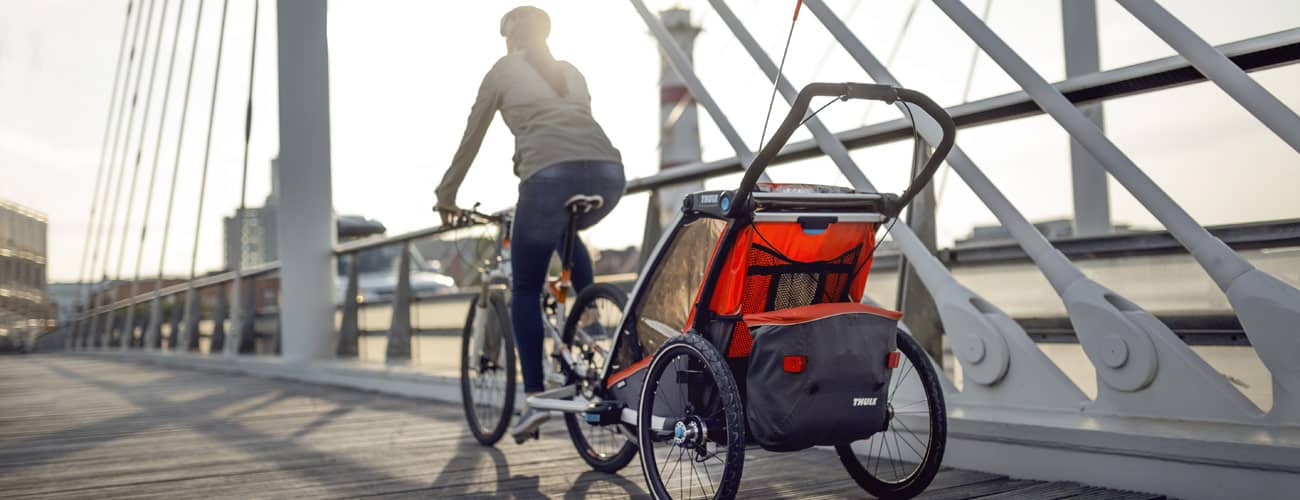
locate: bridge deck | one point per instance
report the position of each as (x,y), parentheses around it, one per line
(82,427)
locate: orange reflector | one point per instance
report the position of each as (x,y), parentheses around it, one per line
(794,364)
(893,359)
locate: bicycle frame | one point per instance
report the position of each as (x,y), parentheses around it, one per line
(498,272)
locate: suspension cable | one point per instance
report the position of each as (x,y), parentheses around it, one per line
(92,271)
(139,153)
(176,163)
(207,148)
(158,140)
(121,161)
(237,329)
(103,151)
(781,67)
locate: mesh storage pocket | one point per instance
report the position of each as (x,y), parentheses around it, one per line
(774,282)
(817,375)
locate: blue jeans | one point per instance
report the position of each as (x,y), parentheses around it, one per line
(540,222)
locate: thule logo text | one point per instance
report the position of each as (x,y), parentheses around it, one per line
(864,401)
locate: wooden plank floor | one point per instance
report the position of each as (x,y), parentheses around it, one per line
(84,427)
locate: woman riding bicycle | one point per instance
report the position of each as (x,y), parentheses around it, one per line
(560,152)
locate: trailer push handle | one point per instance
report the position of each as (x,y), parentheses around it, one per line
(887,93)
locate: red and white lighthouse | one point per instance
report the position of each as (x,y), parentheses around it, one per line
(679,133)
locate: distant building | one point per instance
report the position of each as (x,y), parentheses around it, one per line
(23,308)
(1055,229)
(1052,229)
(67,298)
(253,229)
(250,232)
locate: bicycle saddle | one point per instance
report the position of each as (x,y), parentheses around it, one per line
(583,203)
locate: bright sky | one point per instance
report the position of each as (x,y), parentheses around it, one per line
(404,72)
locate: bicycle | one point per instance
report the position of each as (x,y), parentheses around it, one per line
(579,344)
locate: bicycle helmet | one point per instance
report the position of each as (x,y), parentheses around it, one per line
(526,22)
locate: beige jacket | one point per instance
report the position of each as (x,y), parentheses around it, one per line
(548,128)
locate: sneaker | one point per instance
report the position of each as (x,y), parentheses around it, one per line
(527,424)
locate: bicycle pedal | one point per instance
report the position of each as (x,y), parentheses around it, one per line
(537,434)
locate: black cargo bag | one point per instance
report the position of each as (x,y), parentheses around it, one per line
(818,374)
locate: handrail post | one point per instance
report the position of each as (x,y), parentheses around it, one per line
(235,335)
(174,323)
(348,337)
(110,329)
(218,341)
(152,330)
(70,333)
(141,323)
(399,332)
(128,333)
(189,320)
(245,339)
(92,326)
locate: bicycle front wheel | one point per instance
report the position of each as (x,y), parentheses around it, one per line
(487,369)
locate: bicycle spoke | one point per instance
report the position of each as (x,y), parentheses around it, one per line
(914,436)
(900,450)
(909,405)
(871,452)
(675,464)
(900,380)
(713,489)
(892,466)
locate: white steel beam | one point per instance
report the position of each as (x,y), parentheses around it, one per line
(306,230)
(1219,69)
(1268,308)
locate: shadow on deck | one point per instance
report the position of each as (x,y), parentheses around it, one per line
(75,426)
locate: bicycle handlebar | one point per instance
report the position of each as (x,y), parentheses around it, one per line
(887,93)
(469,217)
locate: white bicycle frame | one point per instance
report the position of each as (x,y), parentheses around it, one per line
(499,271)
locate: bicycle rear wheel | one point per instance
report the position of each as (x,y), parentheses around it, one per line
(487,369)
(589,332)
(900,461)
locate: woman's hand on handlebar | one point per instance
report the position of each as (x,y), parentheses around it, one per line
(450,215)
(461,217)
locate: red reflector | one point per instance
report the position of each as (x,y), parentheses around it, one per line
(794,364)
(893,359)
